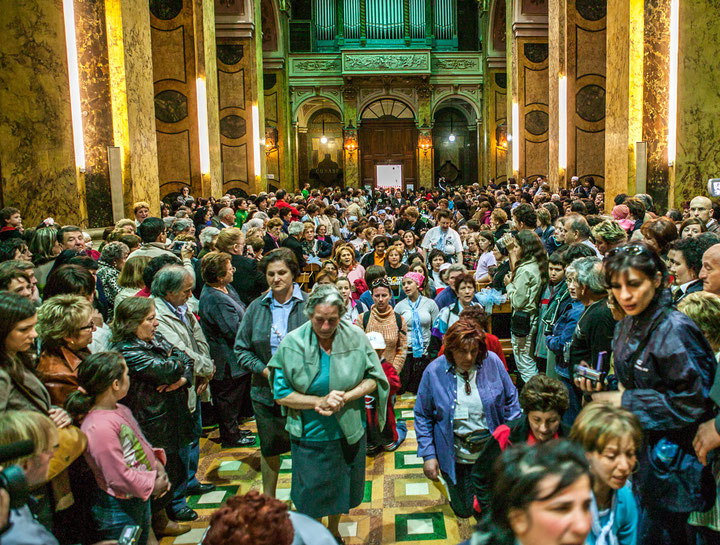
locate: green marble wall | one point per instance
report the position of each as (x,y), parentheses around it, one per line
(37,162)
(698,116)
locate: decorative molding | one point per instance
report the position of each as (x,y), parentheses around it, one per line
(323,65)
(233,27)
(381,62)
(456,64)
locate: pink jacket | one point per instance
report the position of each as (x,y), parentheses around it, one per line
(122,460)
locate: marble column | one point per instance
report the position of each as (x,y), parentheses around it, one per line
(37,162)
(698,111)
(206,67)
(94,75)
(133,107)
(496,124)
(624,95)
(351,163)
(426,176)
(257,87)
(557,66)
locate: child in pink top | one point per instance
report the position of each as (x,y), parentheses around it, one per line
(127,469)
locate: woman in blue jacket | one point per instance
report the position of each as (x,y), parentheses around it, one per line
(463,396)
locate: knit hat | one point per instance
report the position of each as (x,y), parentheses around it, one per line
(416,277)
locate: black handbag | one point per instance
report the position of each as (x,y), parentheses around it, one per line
(520,323)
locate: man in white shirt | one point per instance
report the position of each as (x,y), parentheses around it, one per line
(444,238)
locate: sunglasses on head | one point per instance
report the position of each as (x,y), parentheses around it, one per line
(630,250)
(380,282)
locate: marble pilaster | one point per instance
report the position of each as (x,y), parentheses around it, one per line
(698,112)
(38,172)
(133,107)
(624,94)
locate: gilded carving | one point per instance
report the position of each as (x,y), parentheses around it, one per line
(372,63)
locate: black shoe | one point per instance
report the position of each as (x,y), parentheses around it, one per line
(185,514)
(243,441)
(199,490)
(245,433)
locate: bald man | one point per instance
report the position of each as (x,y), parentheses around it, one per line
(701,208)
(710,272)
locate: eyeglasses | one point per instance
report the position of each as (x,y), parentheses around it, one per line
(634,249)
(91,325)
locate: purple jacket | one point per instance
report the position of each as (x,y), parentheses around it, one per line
(435,406)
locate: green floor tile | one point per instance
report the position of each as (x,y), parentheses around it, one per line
(194,501)
(367,497)
(409,527)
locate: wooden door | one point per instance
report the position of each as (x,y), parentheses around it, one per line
(388,142)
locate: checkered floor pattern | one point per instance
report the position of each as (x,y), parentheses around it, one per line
(400,504)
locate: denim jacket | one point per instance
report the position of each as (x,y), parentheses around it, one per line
(436,400)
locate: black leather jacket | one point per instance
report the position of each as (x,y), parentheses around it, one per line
(164,417)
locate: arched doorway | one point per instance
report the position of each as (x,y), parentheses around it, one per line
(455,142)
(388,137)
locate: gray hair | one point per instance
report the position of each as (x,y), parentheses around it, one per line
(180,225)
(324,294)
(456,267)
(208,234)
(578,224)
(169,279)
(588,273)
(227,211)
(113,252)
(296,228)
(255,222)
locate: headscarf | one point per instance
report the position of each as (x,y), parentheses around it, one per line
(416,336)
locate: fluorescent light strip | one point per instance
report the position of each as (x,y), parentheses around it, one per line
(672,107)
(256,139)
(74,80)
(203,126)
(516,136)
(562,119)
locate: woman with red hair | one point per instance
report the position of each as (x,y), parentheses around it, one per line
(463,396)
(257,519)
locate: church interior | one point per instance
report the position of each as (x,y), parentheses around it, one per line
(104,103)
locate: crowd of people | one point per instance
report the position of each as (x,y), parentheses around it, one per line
(587,413)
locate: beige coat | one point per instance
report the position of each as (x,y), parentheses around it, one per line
(190,339)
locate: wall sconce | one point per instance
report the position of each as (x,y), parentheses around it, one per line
(350,141)
(271,140)
(673,87)
(501,137)
(425,138)
(74,81)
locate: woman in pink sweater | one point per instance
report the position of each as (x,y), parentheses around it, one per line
(127,469)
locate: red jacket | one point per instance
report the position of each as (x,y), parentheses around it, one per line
(293,211)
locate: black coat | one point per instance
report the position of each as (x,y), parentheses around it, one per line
(220,317)
(164,417)
(270,243)
(248,281)
(294,244)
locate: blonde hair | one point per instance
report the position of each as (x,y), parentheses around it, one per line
(140,205)
(599,423)
(62,316)
(27,425)
(131,275)
(703,308)
(228,238)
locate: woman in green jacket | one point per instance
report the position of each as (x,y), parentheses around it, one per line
(529,274)
(321,373)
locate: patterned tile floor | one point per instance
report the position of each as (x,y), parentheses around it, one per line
(400,504)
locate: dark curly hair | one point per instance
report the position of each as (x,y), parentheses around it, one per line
(252,519)
(543,393)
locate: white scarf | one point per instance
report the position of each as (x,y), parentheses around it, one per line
(604,534)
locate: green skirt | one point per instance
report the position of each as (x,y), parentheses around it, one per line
(328,477)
